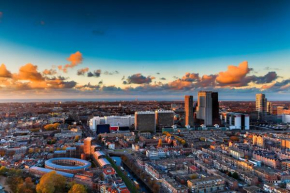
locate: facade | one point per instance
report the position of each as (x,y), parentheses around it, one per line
(38,171)
(65,164)
(261,105)
(87,145)
(164,119)
(269,108)
(258,140)
(280,110)
(113,121)
(208,184)
(145,121)
(188,107)
(208,107)
(236,120)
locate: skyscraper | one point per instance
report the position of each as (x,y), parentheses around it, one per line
(87,146)
(208,107)
(261,105)
(269,108)
(188,106)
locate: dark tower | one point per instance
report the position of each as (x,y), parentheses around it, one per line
(188,106)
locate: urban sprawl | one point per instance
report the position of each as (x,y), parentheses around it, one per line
(198,145)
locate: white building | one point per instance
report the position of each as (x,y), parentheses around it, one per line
(285,118)
(121,121)
(236,120)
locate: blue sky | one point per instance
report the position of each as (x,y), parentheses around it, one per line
(145,37)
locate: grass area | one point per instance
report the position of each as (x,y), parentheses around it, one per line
(126,180)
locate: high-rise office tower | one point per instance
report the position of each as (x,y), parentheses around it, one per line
(87,146)
(145,121)
(261,105)
(269,108)
(188,106)
(164,118)
(215,108)
(208,107)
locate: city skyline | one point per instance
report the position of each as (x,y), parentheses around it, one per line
(137,50)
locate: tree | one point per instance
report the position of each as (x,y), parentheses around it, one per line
(51,183)
(236,175)
(77,138)
(234,138)
(13,183)
(77,188)
(159,143)
(27,187)
(3,170)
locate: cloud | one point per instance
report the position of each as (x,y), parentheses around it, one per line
(269,68)
(234,74)
(96,73)
(190,77)
(60,84)
(28,72)
(88,86)
(139,79)
(278,86)
(4,73)
(82,71)
(175,77)
(269,77)
(49,72)
(110,88)
(74,59)
(111,73)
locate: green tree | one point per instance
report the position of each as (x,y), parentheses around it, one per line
(78,188)
(236,175)
(51,183)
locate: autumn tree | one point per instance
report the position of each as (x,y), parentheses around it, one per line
(51,183)
(77,138)
(13,182)
(51,126)
(159,143)
(78,188)
(27,186)
(234,138)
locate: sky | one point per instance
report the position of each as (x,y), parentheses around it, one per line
(144,49)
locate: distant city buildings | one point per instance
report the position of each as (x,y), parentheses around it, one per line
(113,121)
(261,105)
(208,107)
(236,120)
(269,108)
(164,118)
(87,145)
(145,121)
(188,107)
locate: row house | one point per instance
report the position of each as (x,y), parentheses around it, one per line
(268,158)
